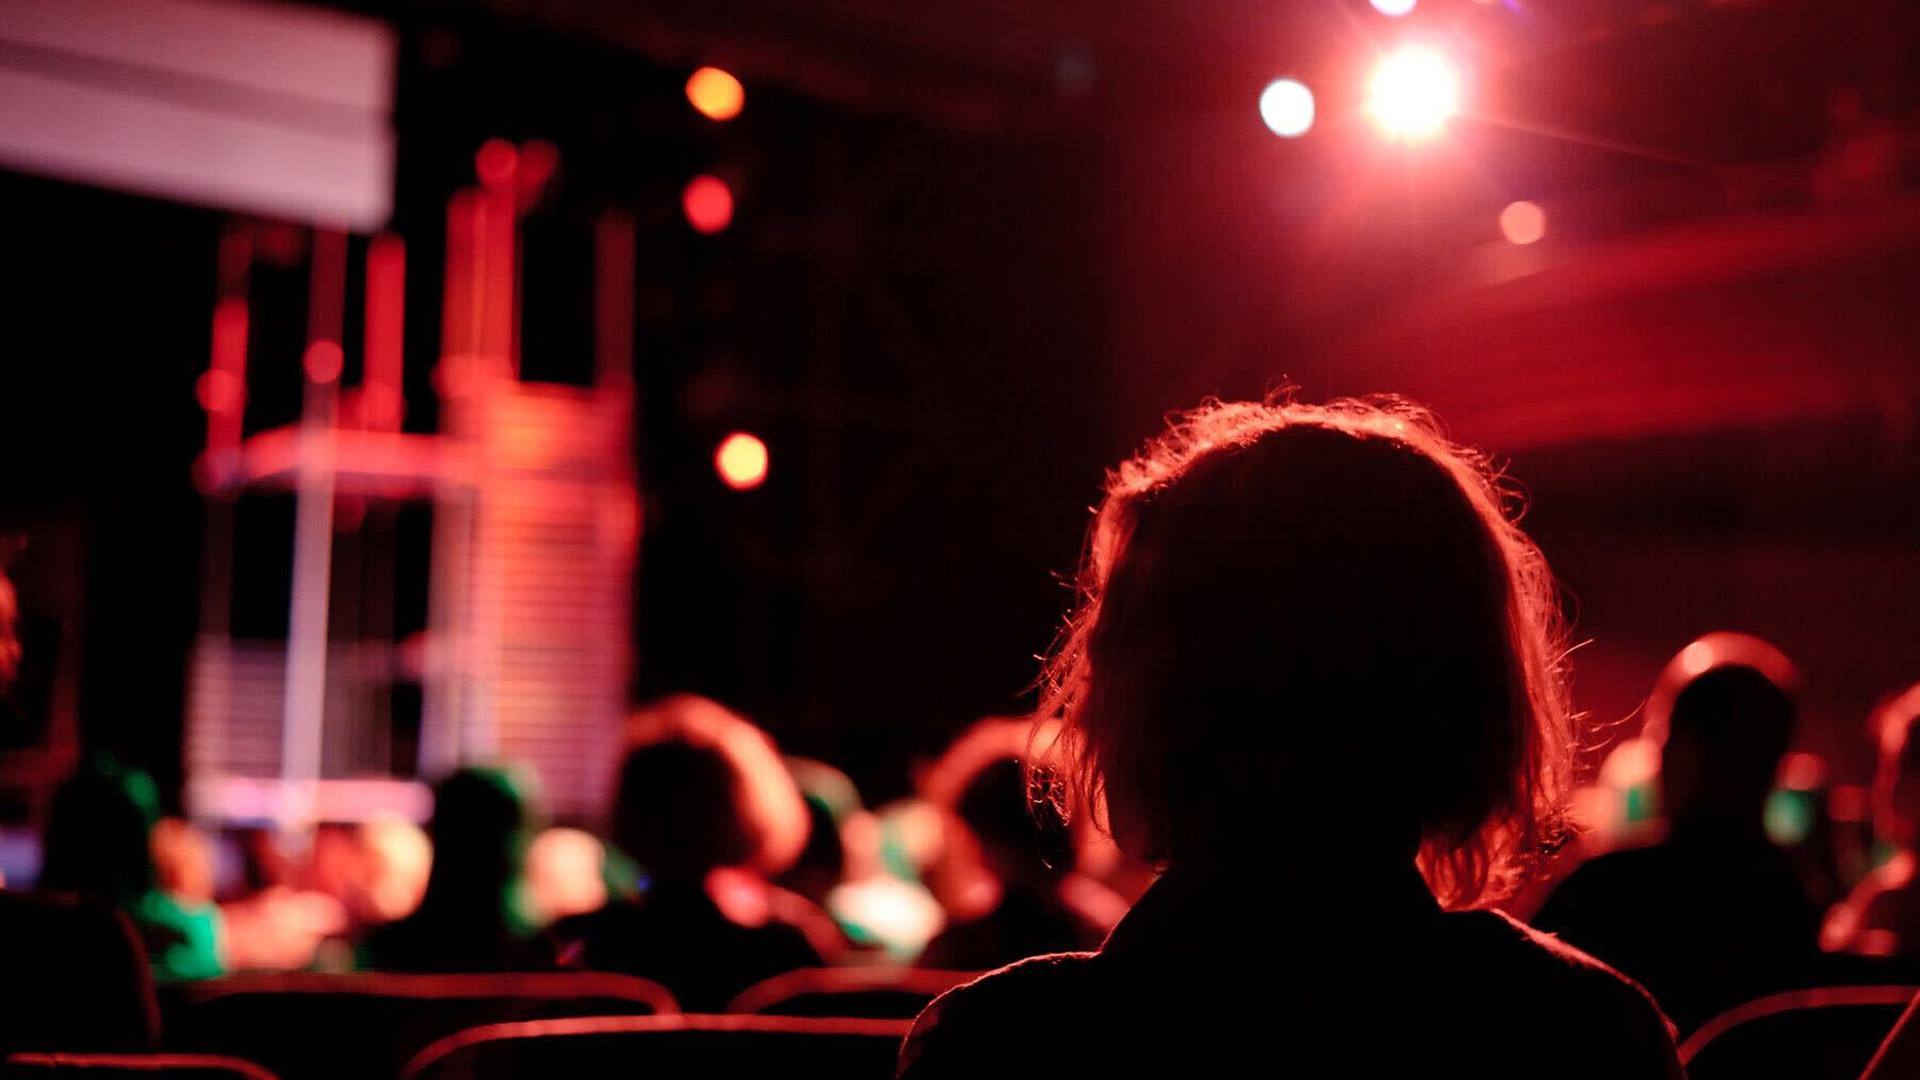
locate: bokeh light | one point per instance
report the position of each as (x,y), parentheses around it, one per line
(1287,107)
(1523,222)
(1413,92)
(1394,7)
(495,162)
(716,94)
(741,461)
(708,204)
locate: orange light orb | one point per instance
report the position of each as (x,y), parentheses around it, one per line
(716,94)
(741,461)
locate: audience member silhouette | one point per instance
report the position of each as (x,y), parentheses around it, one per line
(1714,913)
(1314,660)
(706,811)
(97,845)
(1881,917)
(473,916)
(75,978)
(1019,853)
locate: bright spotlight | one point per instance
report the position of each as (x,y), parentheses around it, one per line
(741,461)
(1287,107)
(1413,92)
(1523,222)
(1394,7)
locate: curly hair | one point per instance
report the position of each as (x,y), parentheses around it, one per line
(1327,617)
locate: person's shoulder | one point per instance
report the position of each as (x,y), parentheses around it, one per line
(1576,987)
(974,1021)
(1621,865)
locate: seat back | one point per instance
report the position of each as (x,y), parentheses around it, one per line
(1823,1033)
(75,977)
(39,1066)
(683,1047)
(321,1027)
(891,993)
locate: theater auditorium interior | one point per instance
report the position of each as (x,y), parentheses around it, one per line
(791,538)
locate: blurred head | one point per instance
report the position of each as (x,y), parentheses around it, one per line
(1021,840)
(1314,630)
(482,821)
(392,861)
(1726,710)
(701,789)
(830,799)
(183,861)
(99,830)
(566,873)
(1896,782)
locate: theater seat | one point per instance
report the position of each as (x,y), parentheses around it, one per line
(38,1066)
(1824,1033)
(686,1047)
(894,993)
(74,978)
(326,1027)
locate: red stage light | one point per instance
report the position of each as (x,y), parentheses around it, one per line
(741,461)
(218,391)
(538,161)
(495,162)
(1523,222)
(708,204)
(716,94)
(324,361)
(1413,92)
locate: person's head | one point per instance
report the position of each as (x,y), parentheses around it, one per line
(99,834)
(482,821)
(831,799)
(1022,841)
(1725,707)
(1315,630)
(1896,782)
(702,789)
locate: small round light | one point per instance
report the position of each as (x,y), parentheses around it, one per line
(716,94)
(1523,222)
(1394,7)
(708,204)
(495,162)
(1287,107)
(324,361)
(741,461)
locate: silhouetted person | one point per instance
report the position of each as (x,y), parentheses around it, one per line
(74,979)
(706,811)
(473,915)
(1881,917)
(1021,854)
(1715,913)
(98,845)
(1313,661)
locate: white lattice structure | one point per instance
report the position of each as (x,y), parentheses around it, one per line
(535,528)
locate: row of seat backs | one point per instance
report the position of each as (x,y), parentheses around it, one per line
(292,1022)
(1829,1033)
(1819,1033)
(305,1026)
(672,1046)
